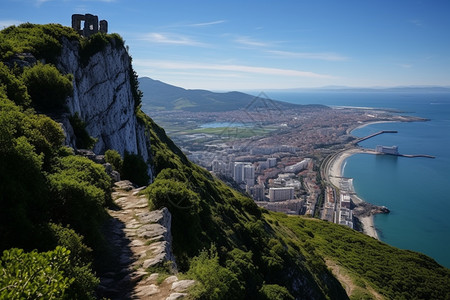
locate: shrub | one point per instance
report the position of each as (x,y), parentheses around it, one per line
(34,275)
(43,41)
(215,281)
(135,169)
(113,157)
(47,87)
(85,282)
(79,190)
(83,139)
(274,292)
(14,87)
(91,45)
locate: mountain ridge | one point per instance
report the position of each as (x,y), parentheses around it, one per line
(158,95)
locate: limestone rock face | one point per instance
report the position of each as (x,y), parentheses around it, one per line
(103,99)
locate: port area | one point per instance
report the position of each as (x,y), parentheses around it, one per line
(387,150)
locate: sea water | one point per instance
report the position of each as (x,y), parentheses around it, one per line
(416,190)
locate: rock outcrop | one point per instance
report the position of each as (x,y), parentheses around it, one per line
(103,99)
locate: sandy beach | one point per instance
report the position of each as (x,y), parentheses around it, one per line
(334,174)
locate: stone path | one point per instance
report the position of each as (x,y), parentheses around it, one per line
(140,242)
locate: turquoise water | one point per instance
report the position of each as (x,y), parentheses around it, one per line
(416,190)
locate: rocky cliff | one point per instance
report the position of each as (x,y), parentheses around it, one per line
(102,97)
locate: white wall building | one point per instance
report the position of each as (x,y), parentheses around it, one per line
(298,166)
(387,150)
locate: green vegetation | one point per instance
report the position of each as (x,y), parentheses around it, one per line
(83,139)
(135,169)
(47,87)
(392,272)
(43,41)
(34,275)
(113,157)
(96,43)
(42,183)
(14,87)
(235,132)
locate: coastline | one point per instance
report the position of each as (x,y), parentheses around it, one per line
(335,172)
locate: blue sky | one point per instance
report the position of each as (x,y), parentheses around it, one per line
(241,45)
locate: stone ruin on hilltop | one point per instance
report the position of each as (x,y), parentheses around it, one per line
(91,24)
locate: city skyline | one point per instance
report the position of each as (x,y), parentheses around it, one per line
(266,45)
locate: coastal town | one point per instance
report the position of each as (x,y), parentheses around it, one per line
(288,161)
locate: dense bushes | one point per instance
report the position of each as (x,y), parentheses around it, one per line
(96,43)
(215,281)
(34,275)
(14,87)
(47,87)
(43,41)
(135,169)
(41,182)
(113,157)
(79,189)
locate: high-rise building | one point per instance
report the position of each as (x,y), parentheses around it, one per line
(281,194)
(238,173)
(249,175)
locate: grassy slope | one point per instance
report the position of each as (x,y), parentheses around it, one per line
(287,247)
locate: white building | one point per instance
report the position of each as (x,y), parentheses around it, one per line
(387,150)
(346,217)
(249,175)
(281,194)
(244,172)
(298,166)
(238,173)
(345,200)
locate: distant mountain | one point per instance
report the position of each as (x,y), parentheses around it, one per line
(162,96)
(398,89)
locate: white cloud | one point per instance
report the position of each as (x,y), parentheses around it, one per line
(207,23)
(168,38)
(309,55)
(250,42)
(170,65)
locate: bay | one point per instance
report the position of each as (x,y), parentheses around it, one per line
(416,190)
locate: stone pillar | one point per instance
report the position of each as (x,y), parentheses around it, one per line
(90,25)
(76,22)
(104,26)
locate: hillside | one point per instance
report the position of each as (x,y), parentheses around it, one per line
(54,201)
(158,96)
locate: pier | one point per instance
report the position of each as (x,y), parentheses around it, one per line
(414,155)
(375,134)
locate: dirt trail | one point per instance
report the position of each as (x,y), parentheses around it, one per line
(139,241)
